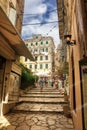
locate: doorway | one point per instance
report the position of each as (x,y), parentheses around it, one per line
(83,79)
(2,70)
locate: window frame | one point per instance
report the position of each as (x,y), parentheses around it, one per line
(46,66)
(41,66)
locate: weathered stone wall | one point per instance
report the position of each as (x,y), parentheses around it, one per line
(18,6)
(20,11)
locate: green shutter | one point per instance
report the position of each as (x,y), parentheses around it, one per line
(35,66)
(46,66)
(46,42)
(31,44)
(41,66)
(41,43)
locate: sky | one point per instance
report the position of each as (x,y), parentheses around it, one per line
(36,14)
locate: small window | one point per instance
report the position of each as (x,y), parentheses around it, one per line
(35,66)
(26,44)
(36,43)
(41,66)
(46,57)
(25,59)
(41,43)
(46,66)
(46,49)
(41,57)
(31,44)
(46,42)
(30,66)
(35,57)
(43,49)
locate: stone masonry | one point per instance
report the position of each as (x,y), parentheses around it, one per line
(38,110)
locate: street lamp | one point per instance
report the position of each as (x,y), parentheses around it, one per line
(68,40)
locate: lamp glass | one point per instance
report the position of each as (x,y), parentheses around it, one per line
(68,38)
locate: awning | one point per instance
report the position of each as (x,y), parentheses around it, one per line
(12,36)
(44,74)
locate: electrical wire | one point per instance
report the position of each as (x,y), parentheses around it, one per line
(51,29)
(38,13)
(42,23)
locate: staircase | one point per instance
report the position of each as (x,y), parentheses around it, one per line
(47,101)
(38,110)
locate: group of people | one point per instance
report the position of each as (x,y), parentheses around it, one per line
(42,82)
(54,82)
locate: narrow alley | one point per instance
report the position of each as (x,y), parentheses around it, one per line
(38,110)
(43,41)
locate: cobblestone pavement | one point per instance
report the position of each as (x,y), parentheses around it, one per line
(36,111)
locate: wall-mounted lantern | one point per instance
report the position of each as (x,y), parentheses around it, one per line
(68,40)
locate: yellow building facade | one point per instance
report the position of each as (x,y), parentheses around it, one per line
(42,48)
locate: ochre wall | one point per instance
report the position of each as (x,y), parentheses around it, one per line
(77,29)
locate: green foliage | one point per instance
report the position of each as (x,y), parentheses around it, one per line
(35,77)
(27,78)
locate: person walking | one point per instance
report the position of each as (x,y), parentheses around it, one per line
(56,83)
(52,82)
(60,86)
(45,81)
(41,83)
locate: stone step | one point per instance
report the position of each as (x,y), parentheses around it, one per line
(48,93)
(43,100)
(38,112)
(42,96)
(44,90)
(30,107)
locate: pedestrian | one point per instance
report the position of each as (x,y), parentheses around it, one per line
(60,86)
(56,84)
(41,83)
(45,82)
(52,82)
